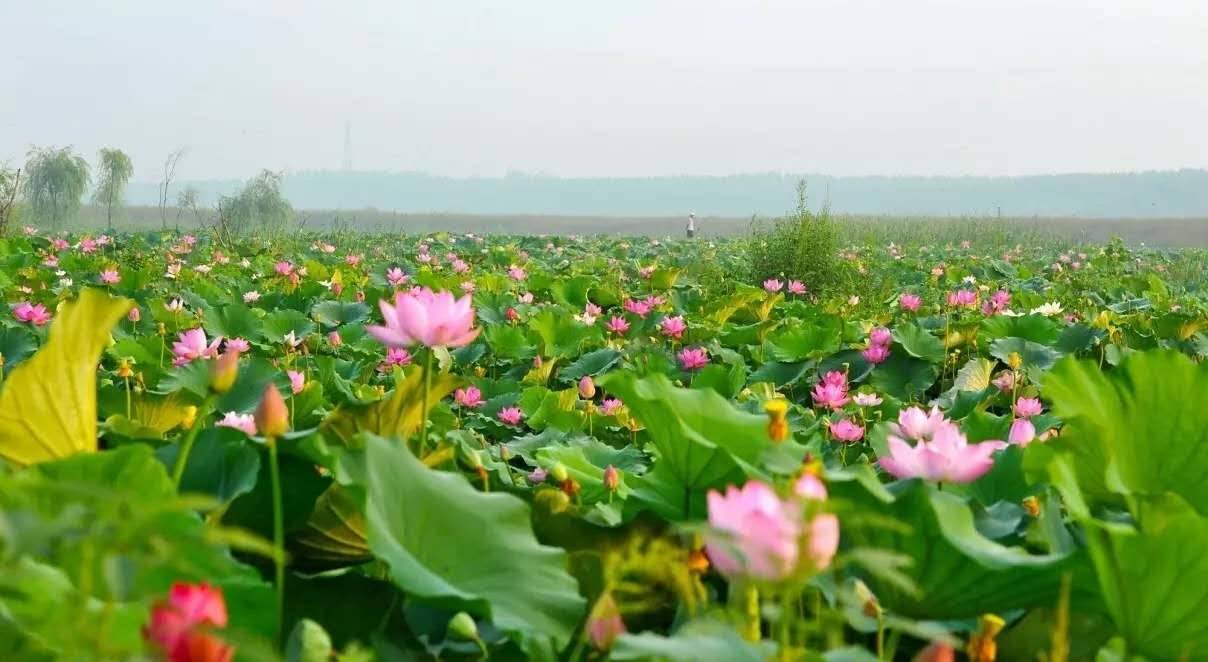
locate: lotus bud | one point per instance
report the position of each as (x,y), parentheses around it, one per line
(134,315)
(272,415)
(463,627)
(778,425)
(587,388)
(868,601)
(223,371)
(334,339)
(612,478)
(936,652)
(605,624)
(982,647)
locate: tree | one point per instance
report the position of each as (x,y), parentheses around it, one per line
(114,173)
(165,184)
(260,203)
(10,183)
(188,200)
(55,180)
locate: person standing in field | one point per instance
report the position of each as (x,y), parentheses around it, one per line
(691,225)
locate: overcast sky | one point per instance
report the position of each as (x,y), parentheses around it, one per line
(623,87)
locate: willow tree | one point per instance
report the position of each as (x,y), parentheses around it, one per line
(113,174)
(55,180)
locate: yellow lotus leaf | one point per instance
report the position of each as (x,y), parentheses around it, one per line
(48,403)
(399,415)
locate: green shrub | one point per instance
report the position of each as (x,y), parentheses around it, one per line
(800,246)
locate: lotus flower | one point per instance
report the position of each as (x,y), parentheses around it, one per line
(397,356)
(796,287)
(772,285)
(942,454)
(880,336)
(35,314)
(469,397)
(909,302)
(179,625)
(962,298)
(693,358)
(243,422)
(639,308)
(191,345)
(876,354)
(1028,407)
(866,399)
(756,533)
(673,327)
(237,345)
(831,391)
(396,277)
(110,277)
(427,318)
(297,381)
(1023,432)
(610,406)
(510,416)
(251,296)
(846,431)
(617,325)
(997,303)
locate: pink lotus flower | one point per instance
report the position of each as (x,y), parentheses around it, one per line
(1005,381)
(997,303)
(237,345)
(110,277)
(910,302)
(427,318)
(646,272)
(460,266)
(1027,407)
(796,287)
(526,298)
(60,244)
(35,314)
(1023,432)
(876,354)
(469,397)
(831,391)
(693,358)
(962,298)
(251,297)
(673,327)
(610,406)
(823,530)
(942,454)
(179,625)
(756,534)
(284,268)
(397,356)
(772,285)
(396,277)
(880,336)
(334,339)
(297,381)
(604,623)
(617,325)
(846,431)
(243,422)
(191,345)
(134,315)
(516,273)
(866,399)
(510,416)
(353,260)
(639,308)
(88,246)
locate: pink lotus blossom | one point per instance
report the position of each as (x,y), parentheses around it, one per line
(646,272)
(526,298)
(174,306)
(772,285)
(755,533)
(353,260)
(460,266)
(1026,407)
(910,302)
(397,356)
(510,416)
(693,358)
(427,318)
(51,261)
(396,277)
(88,246)
(831,391)
(516,273)
(617,325)
(610,406)
(604,623)
(237,345)
(962,298)
(180,625)
(1023,432)
(284,268)
(35,314)
(191,345)
(846,431)
(468,287)
(866,399)
(110,277)
(251,296)
(942,452)
(997,303)
(469,397)
(673,327)
(244,422)
(134,315)
(876,354)
(1005,381)
(297,381)
(796,287)
(334,339)
(639,308)
(880,336)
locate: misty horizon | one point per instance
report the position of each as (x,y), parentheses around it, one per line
(628,89)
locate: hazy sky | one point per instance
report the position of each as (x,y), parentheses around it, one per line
(622,87)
